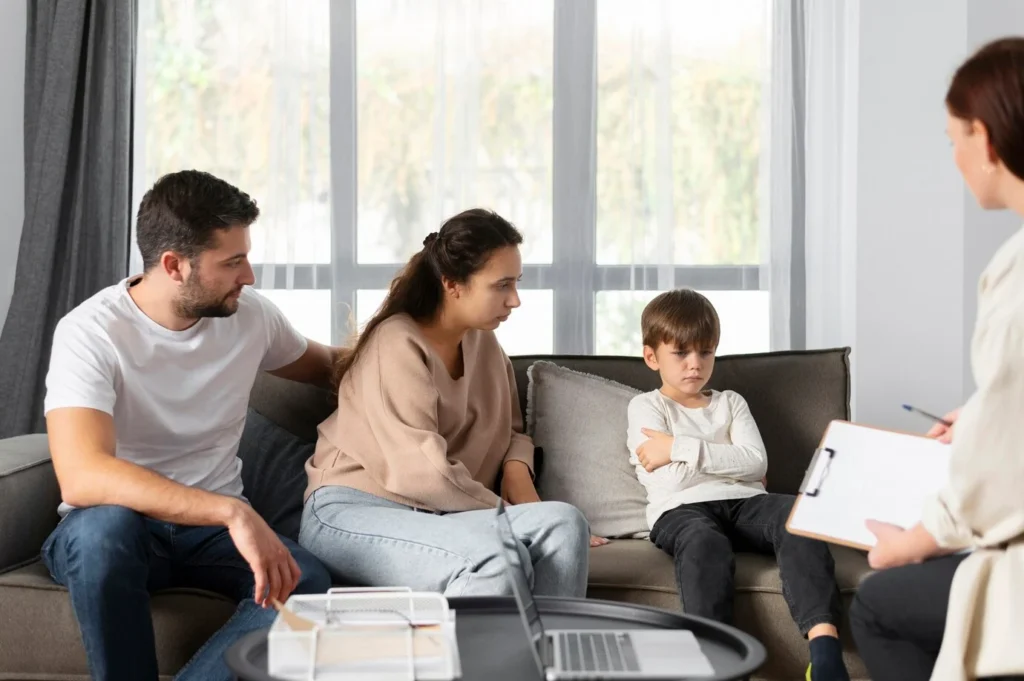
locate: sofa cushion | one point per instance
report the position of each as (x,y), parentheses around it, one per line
(792,395)
(43,641)
(29,497)
(297,407)
(636,571)
(639,564)
(579,421)
(273,475)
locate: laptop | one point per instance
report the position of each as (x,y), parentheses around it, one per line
(597,653)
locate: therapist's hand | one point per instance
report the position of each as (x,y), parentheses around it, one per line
(896,547)
(941,431)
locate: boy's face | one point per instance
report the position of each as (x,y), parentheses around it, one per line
(687,370)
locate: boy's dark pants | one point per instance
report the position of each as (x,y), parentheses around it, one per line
(701,538)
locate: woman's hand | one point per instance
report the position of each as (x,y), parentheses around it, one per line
(597,541)
(517,484)
(896,547)
(941,431)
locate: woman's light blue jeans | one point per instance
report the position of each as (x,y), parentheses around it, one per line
(365,540)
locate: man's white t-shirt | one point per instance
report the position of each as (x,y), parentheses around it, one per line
(178,398)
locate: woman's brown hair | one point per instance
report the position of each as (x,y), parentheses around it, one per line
(456,252)
(989,87)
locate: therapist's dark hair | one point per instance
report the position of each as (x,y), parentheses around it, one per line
(989,87)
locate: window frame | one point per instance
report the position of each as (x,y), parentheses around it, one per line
(574,276)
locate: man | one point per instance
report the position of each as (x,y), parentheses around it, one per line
(146,399)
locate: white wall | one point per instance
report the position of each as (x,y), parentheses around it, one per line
(12,177)
(908,344)
(918,241)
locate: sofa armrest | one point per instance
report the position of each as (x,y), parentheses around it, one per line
(29,497)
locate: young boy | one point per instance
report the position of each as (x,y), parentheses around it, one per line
(700,456)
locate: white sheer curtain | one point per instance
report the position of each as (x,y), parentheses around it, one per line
(639,145)
(830,252)
(781,181)
(689,97)
(239,88)
(453,103)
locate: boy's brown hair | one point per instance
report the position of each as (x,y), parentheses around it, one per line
(683,318)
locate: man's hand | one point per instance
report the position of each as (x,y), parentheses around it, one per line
(941,431)
(656,451)
(517,485)
(597,541)
(275,571)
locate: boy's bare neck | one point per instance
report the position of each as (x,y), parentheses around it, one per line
(696,400)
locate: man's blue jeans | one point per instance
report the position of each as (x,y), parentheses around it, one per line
(111,559)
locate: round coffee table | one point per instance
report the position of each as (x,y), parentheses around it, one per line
(493,644)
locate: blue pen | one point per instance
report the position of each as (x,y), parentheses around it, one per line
(925,414)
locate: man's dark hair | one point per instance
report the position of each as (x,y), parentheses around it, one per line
(183,211)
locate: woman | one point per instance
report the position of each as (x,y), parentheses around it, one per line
(400,484)
(934,594)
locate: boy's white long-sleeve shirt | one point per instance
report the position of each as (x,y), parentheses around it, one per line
(717,451)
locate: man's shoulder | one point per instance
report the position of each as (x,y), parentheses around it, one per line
(97,314)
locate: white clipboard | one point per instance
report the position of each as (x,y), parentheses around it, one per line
(861,473)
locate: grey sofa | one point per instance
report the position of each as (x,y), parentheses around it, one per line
(793,396)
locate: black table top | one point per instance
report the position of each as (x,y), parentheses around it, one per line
(493,644)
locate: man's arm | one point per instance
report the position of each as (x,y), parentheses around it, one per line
(315,366)
(82,446)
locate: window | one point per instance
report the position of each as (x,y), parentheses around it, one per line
(743,316)
(360,125)
(679,89)
(527,331)
(240,88)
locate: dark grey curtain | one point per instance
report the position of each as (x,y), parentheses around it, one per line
(79,79)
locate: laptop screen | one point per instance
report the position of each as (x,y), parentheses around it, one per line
(521,588)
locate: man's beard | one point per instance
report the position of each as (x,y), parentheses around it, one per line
(196,302)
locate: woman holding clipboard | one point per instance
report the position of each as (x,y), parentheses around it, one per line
(935,611)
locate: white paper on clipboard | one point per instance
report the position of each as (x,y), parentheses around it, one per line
(863,473)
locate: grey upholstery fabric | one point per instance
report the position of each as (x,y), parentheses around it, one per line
(579,420)
(28,499)
(39,637)
(636,571)
(273,473)
(296,407)
(79,76)
(793,396)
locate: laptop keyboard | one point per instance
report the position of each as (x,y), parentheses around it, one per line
(598,652)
